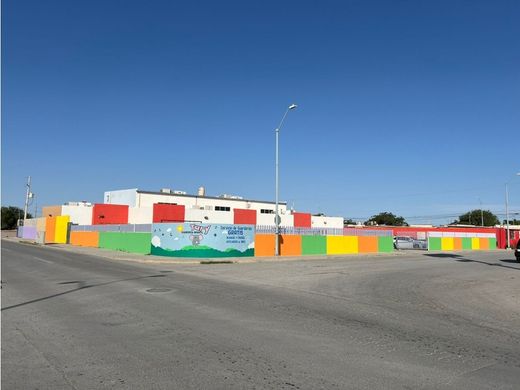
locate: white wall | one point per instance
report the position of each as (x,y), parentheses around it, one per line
(268,219)
(140,215)
(224,217)
(121,197)
(81,215)
(327,222)
(147,200)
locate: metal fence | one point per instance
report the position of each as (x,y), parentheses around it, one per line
(260,229)
(130,228)
(290,230)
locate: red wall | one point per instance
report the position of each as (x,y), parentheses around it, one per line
(244,217)
(302,220)
(168,213)
(109,214)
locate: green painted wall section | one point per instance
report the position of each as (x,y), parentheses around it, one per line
(314,245)
(492,243)
(466,243)
(385,244)
(126,242)
(434,243)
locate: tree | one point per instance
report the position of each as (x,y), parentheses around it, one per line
(512,222)
(474,217)
(386,218)
(10,216)
(349,221)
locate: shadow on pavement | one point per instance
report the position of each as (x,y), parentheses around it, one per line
(462,259)
(81,286)
(453,255)
(510,261)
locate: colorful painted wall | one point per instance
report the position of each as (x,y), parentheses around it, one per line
(88,239)
(56,229)
(297,245)
(27,232)
(126,242)
(202,240)
(457,241)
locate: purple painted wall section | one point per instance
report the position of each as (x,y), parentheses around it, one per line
(28,232)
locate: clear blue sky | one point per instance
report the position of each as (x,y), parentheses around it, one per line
(404,106)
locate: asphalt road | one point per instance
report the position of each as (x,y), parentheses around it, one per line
(413,321)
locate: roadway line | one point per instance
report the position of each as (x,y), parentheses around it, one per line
(45,261)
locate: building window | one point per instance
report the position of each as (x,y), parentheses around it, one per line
(266,211)
(222,208)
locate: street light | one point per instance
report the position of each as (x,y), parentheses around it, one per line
(507,212)
(277,216)
(481,213)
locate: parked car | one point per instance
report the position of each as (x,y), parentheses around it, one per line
(403,242)
(420,244)
(517,251)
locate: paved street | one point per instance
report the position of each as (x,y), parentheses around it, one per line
(412,321)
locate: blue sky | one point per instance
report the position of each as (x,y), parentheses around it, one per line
(404,106)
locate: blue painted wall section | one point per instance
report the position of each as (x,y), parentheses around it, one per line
(202,240)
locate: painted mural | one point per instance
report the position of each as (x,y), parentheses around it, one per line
(202,240)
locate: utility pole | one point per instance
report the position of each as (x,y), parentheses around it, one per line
(28,195)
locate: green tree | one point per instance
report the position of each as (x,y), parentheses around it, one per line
(512,222)
(474,217)
(386,218)
(10,216)
(349,221)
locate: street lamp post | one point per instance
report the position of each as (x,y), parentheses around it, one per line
(277,216)
(481,213)
(507,213)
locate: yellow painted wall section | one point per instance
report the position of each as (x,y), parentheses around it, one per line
(351,244)
(341,245)
(475,243)
(447,243)
(335,245)
(60,235)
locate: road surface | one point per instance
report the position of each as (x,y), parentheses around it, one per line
(411,321)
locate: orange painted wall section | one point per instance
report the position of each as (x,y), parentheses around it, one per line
(90,239)
(264,244)
(290,245)
(457,243)
(484,243)
(368,244)
(50,228)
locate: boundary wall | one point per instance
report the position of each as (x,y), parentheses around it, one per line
(456,241)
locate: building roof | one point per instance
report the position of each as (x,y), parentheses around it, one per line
(208,197)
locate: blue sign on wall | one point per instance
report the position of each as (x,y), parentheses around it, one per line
(202,240)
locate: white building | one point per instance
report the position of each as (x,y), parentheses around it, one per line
(209,209)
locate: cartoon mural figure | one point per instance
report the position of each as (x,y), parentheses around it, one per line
(196,239)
